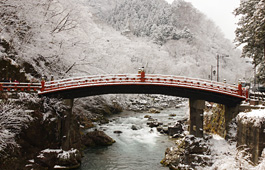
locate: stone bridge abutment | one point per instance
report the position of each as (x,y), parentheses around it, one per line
(197,107)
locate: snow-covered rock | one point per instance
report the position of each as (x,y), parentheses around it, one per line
(58,158)
(190,153)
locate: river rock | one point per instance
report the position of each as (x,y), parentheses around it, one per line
(151,119)
(97,138)
(71,158)
(153,110)
(176,129)
(135,127)
(172,115)
(160,123)
(159,129)
(47,158)
(153,124)
(189,153)
(52,158)
(117,131)
(147,116)
(104,121)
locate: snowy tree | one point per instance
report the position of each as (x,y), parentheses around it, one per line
(251,31)
(155,19)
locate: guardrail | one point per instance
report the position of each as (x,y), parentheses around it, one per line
(23,87)
(256,98)
(151,79)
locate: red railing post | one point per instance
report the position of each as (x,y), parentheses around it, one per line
(42,85)
(143,76)
(1,87)
(15,86)
(239,88)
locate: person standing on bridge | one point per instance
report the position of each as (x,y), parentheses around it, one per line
(52,78)
(16,82)
(139,71)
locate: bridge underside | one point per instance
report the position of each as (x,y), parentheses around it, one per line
(186,92)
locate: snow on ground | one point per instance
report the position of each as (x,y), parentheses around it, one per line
(225,154)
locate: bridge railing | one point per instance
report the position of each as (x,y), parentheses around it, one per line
(155,79)
(196,83)
(23,87)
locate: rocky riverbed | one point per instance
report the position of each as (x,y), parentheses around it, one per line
(137,146)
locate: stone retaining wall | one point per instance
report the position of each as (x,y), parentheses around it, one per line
(251,133)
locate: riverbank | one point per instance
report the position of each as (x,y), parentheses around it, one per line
(214,152)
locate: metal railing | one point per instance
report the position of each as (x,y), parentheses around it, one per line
(257,96)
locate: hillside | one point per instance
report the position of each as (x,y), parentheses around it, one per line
(68,38)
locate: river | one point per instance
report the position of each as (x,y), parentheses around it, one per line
(134,149)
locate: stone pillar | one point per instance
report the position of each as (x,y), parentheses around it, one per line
(66,124)
(230,113)
(196,117)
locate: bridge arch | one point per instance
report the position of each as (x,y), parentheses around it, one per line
(152,84)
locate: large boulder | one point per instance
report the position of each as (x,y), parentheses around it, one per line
(136,127)
(177,129)
(58,158)
(97,138)
(71,158)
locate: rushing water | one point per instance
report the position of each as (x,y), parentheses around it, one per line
(134,149)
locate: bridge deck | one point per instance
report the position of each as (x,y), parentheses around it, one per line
(150,84)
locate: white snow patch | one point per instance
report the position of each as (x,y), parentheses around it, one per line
(52,150)
(66,154)
(59,167)
(46,115)
(257,117)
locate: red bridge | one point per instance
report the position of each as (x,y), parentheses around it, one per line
(197,90)
(146,84)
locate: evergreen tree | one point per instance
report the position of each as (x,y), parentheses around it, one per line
(251,32)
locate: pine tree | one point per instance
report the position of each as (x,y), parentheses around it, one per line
(251,32)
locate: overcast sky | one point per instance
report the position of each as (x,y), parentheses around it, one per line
(220,11)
